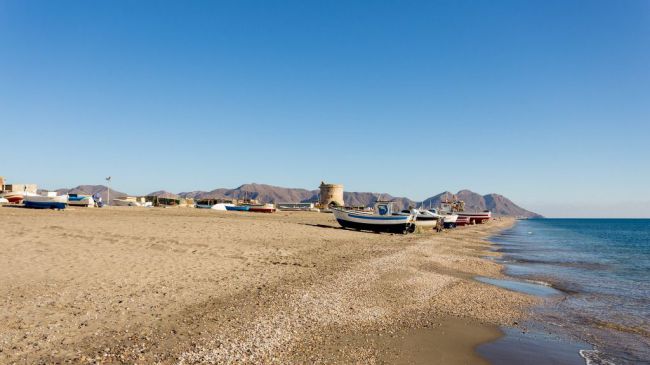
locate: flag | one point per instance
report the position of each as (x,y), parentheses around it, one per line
(108,178)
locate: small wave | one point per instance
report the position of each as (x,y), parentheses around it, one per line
(576,264)
(594,357)
(540,282)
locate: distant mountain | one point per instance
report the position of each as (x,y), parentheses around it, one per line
(497,204)
(92,190)
(262,192)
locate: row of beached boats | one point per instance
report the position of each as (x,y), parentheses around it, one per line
(383,219)
(258,208)
(51,200)
(48,200)
(31,200)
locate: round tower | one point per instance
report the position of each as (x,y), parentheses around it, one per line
(331,194)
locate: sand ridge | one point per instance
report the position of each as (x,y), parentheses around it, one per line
(195,286)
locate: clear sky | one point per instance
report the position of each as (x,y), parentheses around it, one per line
(546,102)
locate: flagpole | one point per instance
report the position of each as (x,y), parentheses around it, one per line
(108,191)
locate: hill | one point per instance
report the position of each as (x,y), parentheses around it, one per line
(92,190)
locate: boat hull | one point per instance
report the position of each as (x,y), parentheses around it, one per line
(262,210)
(386,228)
(374,223)
(221,206)
(46,202)
(267,208)
(426,221)
(238,208)
(16,197)
(81,202)
(462,221)
(476,218)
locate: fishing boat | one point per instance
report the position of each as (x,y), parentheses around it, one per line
(476,217)
(49,201)
(80,200)
(449,219)
(456,206)
(424,218)
(238,208)
(3,201)
(262,208)
(381,219)
(16,197)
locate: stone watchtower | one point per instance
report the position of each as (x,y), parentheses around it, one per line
(331,194)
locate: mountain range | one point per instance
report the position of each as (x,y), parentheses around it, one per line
(499,205)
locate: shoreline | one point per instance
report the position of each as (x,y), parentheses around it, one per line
(190,286)
(572,325)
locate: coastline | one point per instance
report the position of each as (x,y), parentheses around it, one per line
(586,317)
(193,286)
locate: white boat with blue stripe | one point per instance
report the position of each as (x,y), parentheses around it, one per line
(381,219)
(50,201)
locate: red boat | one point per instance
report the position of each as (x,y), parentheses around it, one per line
(476,218)
(264,208)
(16,197)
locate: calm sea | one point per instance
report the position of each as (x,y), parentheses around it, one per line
(602,268)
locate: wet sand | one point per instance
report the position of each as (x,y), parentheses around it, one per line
(133,285)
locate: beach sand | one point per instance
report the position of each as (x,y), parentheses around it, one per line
(135,285)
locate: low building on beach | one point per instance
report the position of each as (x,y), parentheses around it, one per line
(27,188)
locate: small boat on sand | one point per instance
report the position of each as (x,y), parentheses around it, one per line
(81,200)
(46,202)
(424,218)
(16,197)
(379,220)
(449,219)
(262,208)
(238,208)
(3,201)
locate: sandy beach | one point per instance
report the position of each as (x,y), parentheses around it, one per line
(190,286)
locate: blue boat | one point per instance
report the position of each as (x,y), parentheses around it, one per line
(46,202)
(238,208)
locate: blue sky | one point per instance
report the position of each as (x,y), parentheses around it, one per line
(546,102)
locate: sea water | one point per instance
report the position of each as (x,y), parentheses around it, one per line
(601,268)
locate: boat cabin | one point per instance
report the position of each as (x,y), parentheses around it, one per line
(383,207)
